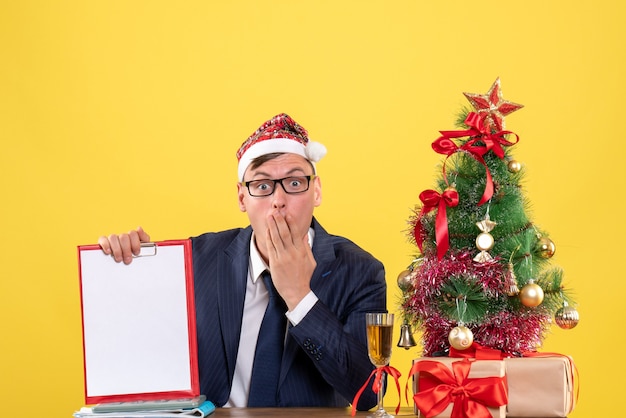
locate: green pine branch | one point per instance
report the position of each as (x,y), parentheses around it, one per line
(463,300)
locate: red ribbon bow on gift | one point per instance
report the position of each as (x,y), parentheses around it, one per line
(470,397)
(431,199)
(479,132)
(379,373)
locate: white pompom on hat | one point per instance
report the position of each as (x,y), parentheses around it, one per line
(279,134)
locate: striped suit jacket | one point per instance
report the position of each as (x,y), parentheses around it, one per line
(325,361)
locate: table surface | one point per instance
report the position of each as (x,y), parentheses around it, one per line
(301,412)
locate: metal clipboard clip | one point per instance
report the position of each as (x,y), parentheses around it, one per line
(148,249)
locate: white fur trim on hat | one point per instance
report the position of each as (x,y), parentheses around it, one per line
(313,152)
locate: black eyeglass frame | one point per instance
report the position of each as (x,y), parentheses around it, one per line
(279,181)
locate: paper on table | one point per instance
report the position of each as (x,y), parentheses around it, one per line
(203,410)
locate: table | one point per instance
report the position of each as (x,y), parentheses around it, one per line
(300,412)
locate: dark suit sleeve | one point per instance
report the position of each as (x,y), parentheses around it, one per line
(333,333)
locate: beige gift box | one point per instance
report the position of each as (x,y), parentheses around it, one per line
(540,386)
(478,369)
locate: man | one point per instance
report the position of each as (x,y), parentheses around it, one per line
(327,284)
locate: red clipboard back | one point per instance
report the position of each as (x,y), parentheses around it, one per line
(139,324)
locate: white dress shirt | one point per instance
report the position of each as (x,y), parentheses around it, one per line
(256,301)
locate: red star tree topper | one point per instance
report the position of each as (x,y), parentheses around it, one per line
(493,105)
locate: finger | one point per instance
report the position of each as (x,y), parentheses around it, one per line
(283,229)
(273,239)
(305,242)
(143,236)
(135,242)
(105,245)
(307,249)
(127,253)
(269,247)
(115,247)
(299,235)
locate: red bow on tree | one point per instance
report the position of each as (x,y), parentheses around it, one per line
(482,141)
(431,199)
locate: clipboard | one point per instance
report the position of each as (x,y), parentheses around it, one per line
(139,324)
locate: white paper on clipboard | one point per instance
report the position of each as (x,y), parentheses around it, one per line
(139,324)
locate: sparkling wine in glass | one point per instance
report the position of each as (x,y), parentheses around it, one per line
(379,344)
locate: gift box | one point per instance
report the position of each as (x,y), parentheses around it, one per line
(471,387)
(540,386)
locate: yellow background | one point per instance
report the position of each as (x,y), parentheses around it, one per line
(115,114)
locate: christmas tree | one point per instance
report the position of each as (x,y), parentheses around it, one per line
(482,267)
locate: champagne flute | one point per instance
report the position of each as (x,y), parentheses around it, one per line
(379,343)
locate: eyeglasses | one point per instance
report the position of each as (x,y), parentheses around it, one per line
(266,187)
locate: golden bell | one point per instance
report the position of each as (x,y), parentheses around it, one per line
(406,337)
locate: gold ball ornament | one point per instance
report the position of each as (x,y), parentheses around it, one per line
(545,247)
(404,280)
(461,337)
(566,317)
(531,294)
(514,166)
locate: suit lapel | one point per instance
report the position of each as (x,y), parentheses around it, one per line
(232,270)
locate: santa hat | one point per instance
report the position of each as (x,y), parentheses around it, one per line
(279,134)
